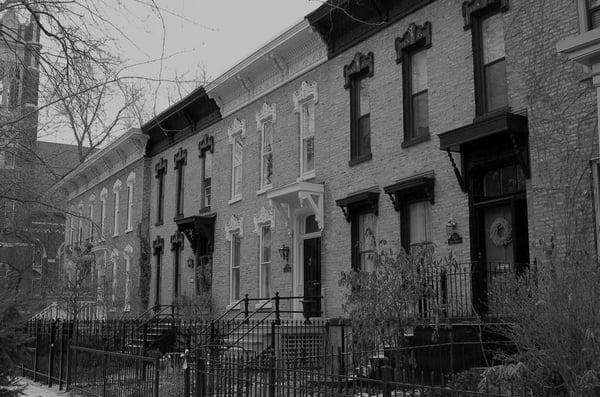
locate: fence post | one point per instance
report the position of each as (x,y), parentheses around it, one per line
(156,377)
(451,339)
(51,353)
(386,376)
(104,372)
(36,356)
(61,373)
(246,303)
(186,370)
(277,312)
(272,372)
(200,375)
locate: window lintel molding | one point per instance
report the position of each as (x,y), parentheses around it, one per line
(180,158)
(307,92)
(412,188)
(158,245)
(131,178)
(117,186)
(206,144)
(266,113)
(470,7)
(265,217)
(415,35)
(238,127)
(235,225)
(161,167)
(360,63)
(367,199)
(177,241)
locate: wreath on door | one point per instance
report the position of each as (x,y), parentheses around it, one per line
(501,232)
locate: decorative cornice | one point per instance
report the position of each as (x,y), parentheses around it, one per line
(238,127)
(266,113)
(180,158)
(177,241)
(246,83)
(206,144)
(306,92)
(235,225)
(279,63)
(470,7)
(161,167)
(265,216)
(360,63)
(415,35)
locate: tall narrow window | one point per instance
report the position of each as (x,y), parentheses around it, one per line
(113,264)
(80,224)
(236,172)
(264,271)
(265,123)
(158,246)
(127,297)
(593,8)
(357,75)
(235,255)
(206,148)
(305,100)
(180,160)
(161,170)
(103,195)
(176,247)
(130,183)
(419,223)
(72,230)
(91,219)
(361,210)
(116,209)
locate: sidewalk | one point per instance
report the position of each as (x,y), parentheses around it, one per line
(39,390)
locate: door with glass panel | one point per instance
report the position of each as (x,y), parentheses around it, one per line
(311,260)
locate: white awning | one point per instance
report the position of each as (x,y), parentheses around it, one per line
(296,195)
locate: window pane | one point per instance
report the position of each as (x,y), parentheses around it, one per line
(237,180)
(495,86)
(365,99)
(367,242)
(308,154)
(420,107)
(491,183)
(237,151)
(267,169)
(207,164)
(305,121)
(420,222)
(265,280)
(207,191)
(419,71)
(364,135)
(266,244)
(509,179)
(492,31)
(268,137)
(311,225)
(235,284)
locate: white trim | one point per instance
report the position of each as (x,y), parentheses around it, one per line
(116,209)
(261,262)
(238,127)
(266,113)
(265,217)
(306,92)
(130,183)
(231,267)
(235,225)
(234,200)
(264,189)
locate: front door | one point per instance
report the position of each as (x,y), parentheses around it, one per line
(312,276)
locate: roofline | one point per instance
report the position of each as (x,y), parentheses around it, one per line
(174,108)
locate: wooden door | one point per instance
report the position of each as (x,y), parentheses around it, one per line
(312,276)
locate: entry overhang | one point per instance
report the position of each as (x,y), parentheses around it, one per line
(297,195)
(199,230)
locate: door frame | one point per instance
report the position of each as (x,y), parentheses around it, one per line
(299,217)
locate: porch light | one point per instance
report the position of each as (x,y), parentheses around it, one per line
(284,252)
(190,262)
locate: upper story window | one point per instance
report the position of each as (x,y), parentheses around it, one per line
(236,134)
(305,100)
(130,183)
(361,210)
(489,57)
(264,270)
(265,123)
(593,13)
(80,223)
(161,170)
(357,76)
(411,50)
(116,210)
(180,160)
(234,230)
(206,148)
(91,218)
(103,195)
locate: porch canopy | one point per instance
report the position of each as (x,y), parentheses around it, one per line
(200,231)
(294,196)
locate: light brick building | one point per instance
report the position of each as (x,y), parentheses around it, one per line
(446,124)
(106,233)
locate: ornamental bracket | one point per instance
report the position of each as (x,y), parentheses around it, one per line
(459,177)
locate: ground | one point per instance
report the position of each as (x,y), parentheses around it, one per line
(38,390)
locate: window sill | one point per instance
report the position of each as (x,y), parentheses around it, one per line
(204,210)
(177,217)
(234,306)
(129,230)
(264,190)
(361,159)
(415,141)
(259,305)
(159,223)
(234,200)
(115,235)
(307,176)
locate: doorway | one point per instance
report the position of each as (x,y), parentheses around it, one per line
(310,241)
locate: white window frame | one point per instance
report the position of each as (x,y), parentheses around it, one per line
(114,258)
(116,209)
(127,255)
(80,223)
(235,226)
(306,97)
(262,262)
(236,133)
(267,114)
(103,195)
(232,299)
(130,183)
